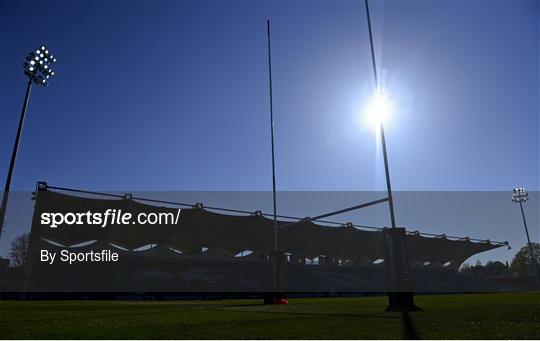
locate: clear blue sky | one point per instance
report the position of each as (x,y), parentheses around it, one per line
(170,95)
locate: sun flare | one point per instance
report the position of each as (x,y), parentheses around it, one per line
(379,110)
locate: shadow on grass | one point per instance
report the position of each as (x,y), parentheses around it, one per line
(409,328)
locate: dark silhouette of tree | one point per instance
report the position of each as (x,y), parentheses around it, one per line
(19,247)
(491,268)
(496,268)
(522,262)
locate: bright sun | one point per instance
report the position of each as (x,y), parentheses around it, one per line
(378,110)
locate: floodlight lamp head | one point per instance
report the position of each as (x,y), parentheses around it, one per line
(38,68)
(520,195)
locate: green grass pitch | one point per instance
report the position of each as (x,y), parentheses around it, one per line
(468,316)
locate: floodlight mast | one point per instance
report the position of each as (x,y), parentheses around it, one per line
(519,196)
(38,69)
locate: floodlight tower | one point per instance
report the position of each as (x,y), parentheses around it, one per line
(519,196)
(38,69)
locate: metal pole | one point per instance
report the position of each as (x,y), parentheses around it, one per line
(533,258)
(387,172)
(14,156)
(275,237)
(383,140)
(397,300)
(272,136)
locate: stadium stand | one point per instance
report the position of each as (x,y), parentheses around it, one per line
(207,251)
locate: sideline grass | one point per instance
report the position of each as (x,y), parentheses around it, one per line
(471,316)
